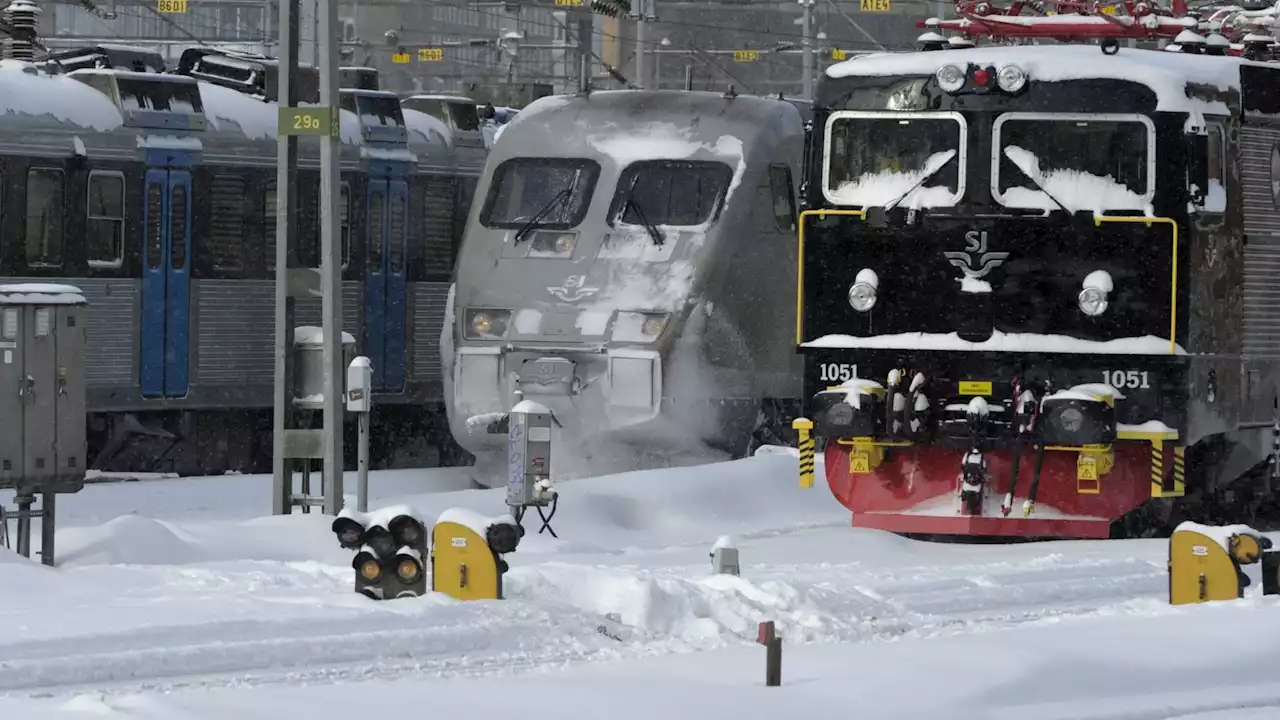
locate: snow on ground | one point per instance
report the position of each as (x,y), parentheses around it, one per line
(179,599)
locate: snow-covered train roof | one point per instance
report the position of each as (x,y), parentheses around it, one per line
(47,106)
(1166,73)
(626,125)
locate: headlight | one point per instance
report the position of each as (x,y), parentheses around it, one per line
(862,296)
(1071,419)
(1011,78)
(950,77)
(1093,302)
(548,243)
(639,326)
(486,324)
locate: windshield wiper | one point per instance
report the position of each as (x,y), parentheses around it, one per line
(644,219)
(922,181)
(558,198)
(1047,194)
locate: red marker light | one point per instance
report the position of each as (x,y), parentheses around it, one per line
(981,76)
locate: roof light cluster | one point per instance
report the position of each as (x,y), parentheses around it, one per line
(1009,78)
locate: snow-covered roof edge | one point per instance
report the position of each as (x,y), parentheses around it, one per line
(1167,74)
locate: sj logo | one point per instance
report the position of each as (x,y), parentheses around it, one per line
(573,289)
(976,262)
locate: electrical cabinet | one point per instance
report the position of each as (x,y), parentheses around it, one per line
(42,387)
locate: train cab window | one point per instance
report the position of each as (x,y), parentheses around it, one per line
(1215,200)
(465,116)
(784,201)
(1086,162)
(104,231)
(551,193)
(670,192)
(45,217)
(876,158)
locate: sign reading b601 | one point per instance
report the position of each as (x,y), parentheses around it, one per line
(308,121)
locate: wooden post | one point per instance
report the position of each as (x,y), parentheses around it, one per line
(767,636)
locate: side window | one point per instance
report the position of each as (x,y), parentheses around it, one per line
(1216,198)
(784,202)
(104,241)
(45,216)
(269,225)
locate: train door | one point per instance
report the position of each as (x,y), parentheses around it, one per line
(385,283)
(166,283)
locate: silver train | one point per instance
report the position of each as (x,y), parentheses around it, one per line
(623,266)
(153,190)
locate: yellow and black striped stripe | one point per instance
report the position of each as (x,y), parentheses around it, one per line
(1179,471)
(806,444)
(807,462)
(1157,469)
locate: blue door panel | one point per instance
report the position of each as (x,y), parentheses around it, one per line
(375,282)
(396,307)
(154,260)
(178,286)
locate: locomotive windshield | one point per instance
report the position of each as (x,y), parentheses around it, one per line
(1083,162)
(670,192)
(875,158)
(551,193)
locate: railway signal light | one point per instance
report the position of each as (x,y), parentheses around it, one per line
(390,547)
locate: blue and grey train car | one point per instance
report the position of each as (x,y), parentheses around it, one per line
(621,266)
(155,193)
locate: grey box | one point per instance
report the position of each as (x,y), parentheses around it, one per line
(42,387)
(528,452)
(308,364)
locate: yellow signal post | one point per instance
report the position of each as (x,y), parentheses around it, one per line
(804,428)
(1204,561)
(465,549)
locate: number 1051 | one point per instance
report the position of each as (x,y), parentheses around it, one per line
(1127,379)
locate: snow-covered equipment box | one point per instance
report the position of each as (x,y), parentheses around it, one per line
(1025,282)
(391,547)
(1204,561)
(465,553)
(42,401)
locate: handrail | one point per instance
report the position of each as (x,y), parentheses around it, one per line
(821,213)
(1173,268)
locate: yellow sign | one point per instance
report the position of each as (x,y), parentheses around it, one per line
(839,55)
(746,55)
(1086,467)
(1109,10)
(307,121)
(860,463)
(874,5)
(975,387)
(171,7)
(400,58)
(569,3)
(430,54)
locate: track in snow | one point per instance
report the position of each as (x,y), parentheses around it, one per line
(232,627)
